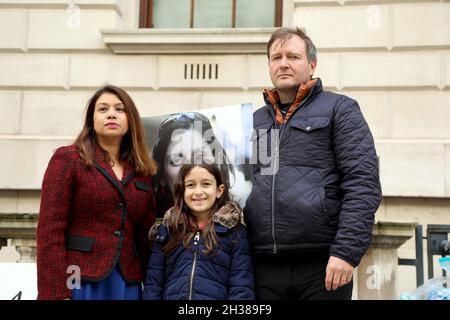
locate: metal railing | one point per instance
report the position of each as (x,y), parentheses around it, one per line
(418,261)
(437,244)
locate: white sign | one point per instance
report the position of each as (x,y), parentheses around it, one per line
(18,281)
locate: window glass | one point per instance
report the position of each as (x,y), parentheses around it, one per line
(171,13)
(246,16)
(213,14)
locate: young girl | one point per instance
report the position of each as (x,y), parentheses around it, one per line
(200,251)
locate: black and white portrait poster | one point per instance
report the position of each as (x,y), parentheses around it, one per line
(221,135)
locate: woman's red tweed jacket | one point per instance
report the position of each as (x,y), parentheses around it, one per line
(90,219)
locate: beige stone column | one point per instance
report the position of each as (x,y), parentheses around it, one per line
(377,272)
(26,248)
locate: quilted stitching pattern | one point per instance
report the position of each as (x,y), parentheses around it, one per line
(339,156)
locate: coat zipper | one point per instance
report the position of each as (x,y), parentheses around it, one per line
(277,159)
(194,262)
(274,241)
(277,163)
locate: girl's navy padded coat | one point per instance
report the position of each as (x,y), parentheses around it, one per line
(190,274)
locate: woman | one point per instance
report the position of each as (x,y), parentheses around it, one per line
(97,206)
(181,137)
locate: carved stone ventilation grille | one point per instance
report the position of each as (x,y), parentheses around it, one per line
(203,71)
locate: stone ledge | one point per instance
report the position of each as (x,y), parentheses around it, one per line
(181,41)
(389,234)
(18,226)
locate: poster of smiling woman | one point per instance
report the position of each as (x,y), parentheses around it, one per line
(220,135)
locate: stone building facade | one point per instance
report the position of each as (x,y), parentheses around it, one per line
(392,56)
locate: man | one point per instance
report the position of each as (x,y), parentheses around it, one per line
(311,210)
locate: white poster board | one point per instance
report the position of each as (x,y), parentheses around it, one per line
(18,281)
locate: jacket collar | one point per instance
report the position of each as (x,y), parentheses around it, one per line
(304,91)
(103,166)
(227,217)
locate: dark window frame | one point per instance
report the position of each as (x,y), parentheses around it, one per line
(146,13)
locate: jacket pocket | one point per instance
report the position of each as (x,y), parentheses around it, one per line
(79,243)
(142,185)
(332,203)
(310,124)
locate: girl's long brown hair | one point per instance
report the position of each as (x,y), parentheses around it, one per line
(133,149)
(182,224)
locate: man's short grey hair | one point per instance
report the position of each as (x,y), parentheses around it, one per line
(287,33)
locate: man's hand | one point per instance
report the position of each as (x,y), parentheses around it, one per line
(338,273)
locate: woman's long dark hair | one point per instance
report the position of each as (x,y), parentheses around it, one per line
(186,121)
(133,149)
(181,224)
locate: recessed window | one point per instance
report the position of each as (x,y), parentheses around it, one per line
(210,13)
